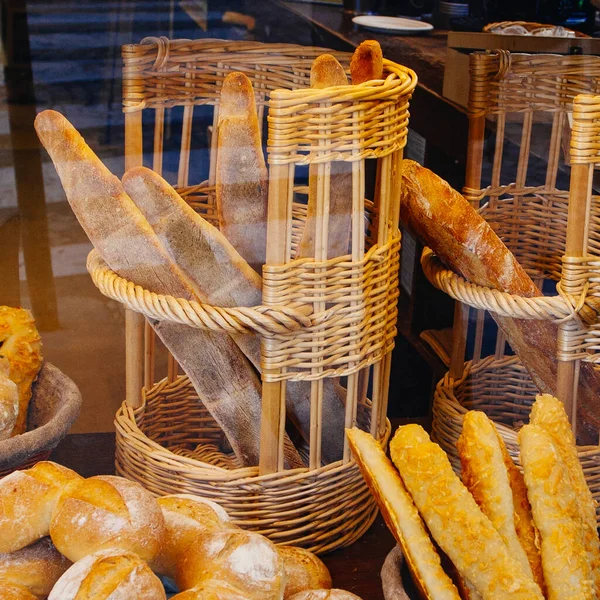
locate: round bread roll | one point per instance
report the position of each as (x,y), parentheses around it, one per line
(247,561)
(325,595)
(107,512)
(215,590)
(12,591)
(109,574)
(27,499)
(186,517)
(37,567)
(303,571)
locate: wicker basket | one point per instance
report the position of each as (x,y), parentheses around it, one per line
(319,318)
(530,26)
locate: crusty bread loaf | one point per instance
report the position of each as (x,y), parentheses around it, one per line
(334,594)
(367,62)
(37,567)
(105,512)
(556,511)
(402,517)
(9,401)
(455,521)
(466,243)
(27,499)
(247,561)
(12,591)
(549,414)
(186,517)
(303,571)
(20,344)
(124,238)
(241,174)
(485,475)
(109,575)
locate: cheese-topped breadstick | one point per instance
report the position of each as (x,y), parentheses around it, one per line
(401,517)
(549,413)
(485,475)
(556,512)
(455,521)
(367,62)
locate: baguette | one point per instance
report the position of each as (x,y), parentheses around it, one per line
(485,474)
(455,521)
(557,516)
(401,517)
(367,62)
(466,243)
(223,378)
(549,414)
(223,278)
(241,175)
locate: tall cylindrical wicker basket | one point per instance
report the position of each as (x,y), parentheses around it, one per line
(320,318)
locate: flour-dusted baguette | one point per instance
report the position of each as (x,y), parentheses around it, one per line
(241,175)
(557,515)
(485,474)
(466,243)
(223,278)
(549,414)
(225,381)
(367,62)
(402,517)
(455,521)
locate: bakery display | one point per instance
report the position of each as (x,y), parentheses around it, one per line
(303,571)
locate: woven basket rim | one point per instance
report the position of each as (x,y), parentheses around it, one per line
(530,26)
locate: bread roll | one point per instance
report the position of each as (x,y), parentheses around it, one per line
(455,521)
(557,515)
(105,512)
(367,62)
(466,243)
(549,414)
(334,594)
(186,517)
(215,590)
(303,571)
(485,475)
(12,591)
(27,499)
(242,181)
(20,344)
(37,567)
(246,561)
(109,575)
(401,517)
(9,401)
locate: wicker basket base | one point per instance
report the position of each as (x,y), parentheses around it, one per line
(160,444)
(503,389)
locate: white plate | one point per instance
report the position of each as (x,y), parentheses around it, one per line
(397,25)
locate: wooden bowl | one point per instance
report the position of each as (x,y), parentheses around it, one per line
(395,578)
(54,406)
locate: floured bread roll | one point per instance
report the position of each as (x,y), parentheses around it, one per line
(186,517)
(248,562)
(12,591)
(214,590)
(109,575)
(107,512)
(27,499)
(37,567)
(303,571)
(9,401)
(334,594)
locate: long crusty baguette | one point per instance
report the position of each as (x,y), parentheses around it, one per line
(466,243)
(485,475)
(401,517)
(223,278)
(223,378)
(455,521)
(557,516)
(549,414)
(367,62)
(325,72)
(241,175)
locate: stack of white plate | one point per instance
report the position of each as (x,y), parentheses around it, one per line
(453,9)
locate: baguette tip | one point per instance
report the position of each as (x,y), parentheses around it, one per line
(237,96)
